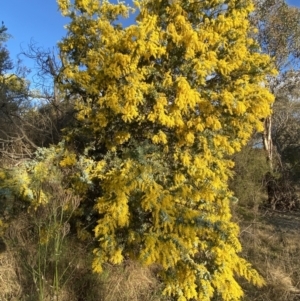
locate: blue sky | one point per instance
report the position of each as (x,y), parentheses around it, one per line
(27,20)
(38,20)
(32,20)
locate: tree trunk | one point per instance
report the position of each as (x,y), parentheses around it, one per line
(267,140)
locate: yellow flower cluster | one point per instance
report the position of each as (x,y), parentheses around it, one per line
(169,97)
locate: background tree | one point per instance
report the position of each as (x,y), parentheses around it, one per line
(161,105)
(32,113)
(53,110)
(13,101)
(278,35)
(285,136)
(5,62)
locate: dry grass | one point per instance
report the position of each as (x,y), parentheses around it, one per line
(130,282)
(272,245)
(18,265)
(270,242)
(281,281)
(127,282)
(10,288)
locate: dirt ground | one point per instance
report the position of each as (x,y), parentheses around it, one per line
(283,221)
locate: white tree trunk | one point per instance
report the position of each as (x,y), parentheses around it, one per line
(267,140)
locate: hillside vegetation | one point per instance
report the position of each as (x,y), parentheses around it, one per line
(157,161)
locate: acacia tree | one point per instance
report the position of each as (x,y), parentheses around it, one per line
(161,104)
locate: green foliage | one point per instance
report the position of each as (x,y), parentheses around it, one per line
(5,62)
(248,182)
(279,31)
(286,129)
